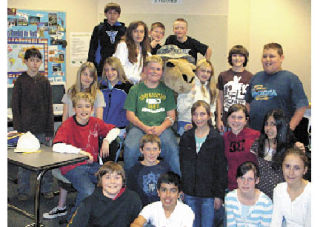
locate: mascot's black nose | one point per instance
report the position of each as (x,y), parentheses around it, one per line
(185,78)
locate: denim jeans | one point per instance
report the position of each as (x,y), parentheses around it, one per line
(203,209)
(220,216)
(169,148)
(83,179)
(24,174)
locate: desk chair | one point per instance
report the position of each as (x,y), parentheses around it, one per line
(114,150)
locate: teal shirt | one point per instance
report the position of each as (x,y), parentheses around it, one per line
(199,142)
(150,105)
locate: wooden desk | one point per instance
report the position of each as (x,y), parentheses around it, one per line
(41,162)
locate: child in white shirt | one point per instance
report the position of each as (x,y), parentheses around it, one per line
(292,199)
(168,212)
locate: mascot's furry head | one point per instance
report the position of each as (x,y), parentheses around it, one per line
(178,74)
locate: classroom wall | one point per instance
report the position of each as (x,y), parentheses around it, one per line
(188,7)
(219,23)
(287,22)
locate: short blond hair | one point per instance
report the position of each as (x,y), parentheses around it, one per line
(153,59)
(181,20)
(82,96)
(157,25)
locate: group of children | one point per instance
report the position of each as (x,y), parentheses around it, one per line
(112,91)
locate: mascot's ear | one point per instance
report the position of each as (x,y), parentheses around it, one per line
(170,64)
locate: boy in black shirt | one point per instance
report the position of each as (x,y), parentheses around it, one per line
(105,36)
(186,43)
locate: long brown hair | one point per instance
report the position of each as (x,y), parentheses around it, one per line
(206,106)
(145,44)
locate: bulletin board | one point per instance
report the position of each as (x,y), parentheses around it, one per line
(44,30)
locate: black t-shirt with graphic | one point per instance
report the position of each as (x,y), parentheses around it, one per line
(190,46)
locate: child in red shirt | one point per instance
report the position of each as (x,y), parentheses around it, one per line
(82,132)
(238,141)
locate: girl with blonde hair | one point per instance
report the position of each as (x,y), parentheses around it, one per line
(86,81)
(115,87)
(204,89)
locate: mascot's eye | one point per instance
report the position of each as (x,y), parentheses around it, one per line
(194,70)
(170,64)
(185,78)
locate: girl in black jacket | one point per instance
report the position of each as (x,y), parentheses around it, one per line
(203,166)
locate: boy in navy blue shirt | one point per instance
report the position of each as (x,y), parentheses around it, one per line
(105,36)
(275,88)
(144,175)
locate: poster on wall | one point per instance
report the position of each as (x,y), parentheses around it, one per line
(79,47)
(44,30)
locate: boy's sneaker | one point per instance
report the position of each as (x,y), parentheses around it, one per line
(55,212)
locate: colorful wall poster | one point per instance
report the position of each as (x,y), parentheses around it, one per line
(44,30)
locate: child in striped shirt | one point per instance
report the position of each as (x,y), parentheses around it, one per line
(247,206)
